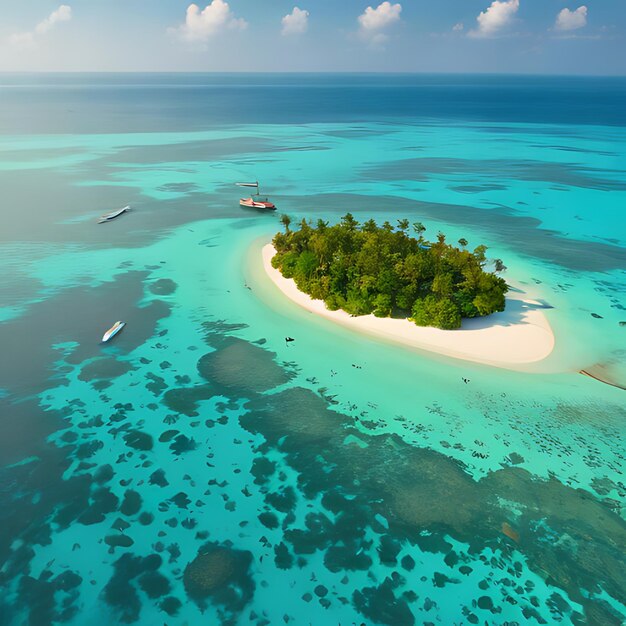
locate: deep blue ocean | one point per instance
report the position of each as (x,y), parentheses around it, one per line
(201,470)
(174,102)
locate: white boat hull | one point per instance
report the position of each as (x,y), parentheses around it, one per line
(114,330)
(107,217)
(253,204)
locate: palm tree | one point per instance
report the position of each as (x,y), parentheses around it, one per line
(285,221)
(463,242)
(349,222)
(369,226)
(479,254)
(419,229)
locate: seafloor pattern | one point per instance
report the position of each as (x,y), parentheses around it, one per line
(201,470)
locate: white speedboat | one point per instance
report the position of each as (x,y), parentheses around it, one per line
(107,217)
(113,331)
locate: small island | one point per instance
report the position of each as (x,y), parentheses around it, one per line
(363,269)
(381,281)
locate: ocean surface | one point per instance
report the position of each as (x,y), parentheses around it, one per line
(199,469)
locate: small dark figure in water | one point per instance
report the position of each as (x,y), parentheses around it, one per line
(288,340)
(465,380)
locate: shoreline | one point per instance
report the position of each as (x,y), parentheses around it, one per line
(517,337)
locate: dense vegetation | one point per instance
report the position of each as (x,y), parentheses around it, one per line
(366,268)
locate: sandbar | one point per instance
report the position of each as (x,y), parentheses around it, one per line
(518,336)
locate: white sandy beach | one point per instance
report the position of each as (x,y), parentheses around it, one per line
(518,336)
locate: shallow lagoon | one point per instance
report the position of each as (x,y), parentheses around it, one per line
(313,491)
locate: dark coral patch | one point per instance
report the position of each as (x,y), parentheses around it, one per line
(158,478)
(157,384)
(344,558)
(67,580)
(283,501)
(310,422)
(103,474)
(101,503)
(154,584)
(240,368)
(262,469)
(104,368)
(120,592)
(182,444)
(138,440)
(381,605)
(269,520)
(388,550)
(118,541)
(170,605)
(568,535)
(181,500)
(88,449)
(131,503)
(163,287)
(120,524)
(145,518)
(185,399)
(282,556)
(37,597)
(220,574)
(168,435)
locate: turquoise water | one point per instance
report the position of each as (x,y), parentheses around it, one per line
(317,491)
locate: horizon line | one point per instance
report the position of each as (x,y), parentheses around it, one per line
(307,72)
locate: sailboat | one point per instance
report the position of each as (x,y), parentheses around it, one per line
(255,201)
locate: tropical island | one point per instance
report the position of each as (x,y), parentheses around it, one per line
(366,268)
(433,296)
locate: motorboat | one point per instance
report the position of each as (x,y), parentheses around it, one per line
(255,201)
(107,217)
(116,328)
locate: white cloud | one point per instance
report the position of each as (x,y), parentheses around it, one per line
(571,20)
(201,25)
(380,17)
(496,17)
(374,21)
(296,22)
(62,14)
(459,26)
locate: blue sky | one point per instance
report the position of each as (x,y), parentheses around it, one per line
(528,36)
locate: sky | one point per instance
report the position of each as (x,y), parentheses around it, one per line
(585,37)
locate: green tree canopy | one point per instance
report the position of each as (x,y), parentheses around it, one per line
(382,270)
